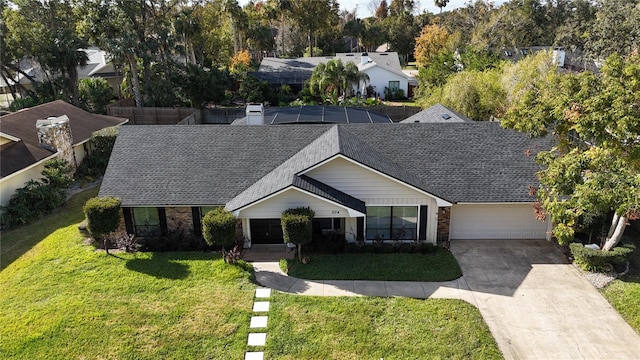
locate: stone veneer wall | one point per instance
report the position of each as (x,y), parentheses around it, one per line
(57,135)
(180,219)
(444,221)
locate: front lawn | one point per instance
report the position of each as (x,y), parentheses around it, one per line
(306,327)
(62,299)
(624,293)
(441,266)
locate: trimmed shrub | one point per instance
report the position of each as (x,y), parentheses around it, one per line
(103,217)
(219,227)
(297,227)
(598,260)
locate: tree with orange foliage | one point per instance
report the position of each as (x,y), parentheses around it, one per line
(432,41)
(240,62)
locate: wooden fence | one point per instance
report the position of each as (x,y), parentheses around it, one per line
(156,115)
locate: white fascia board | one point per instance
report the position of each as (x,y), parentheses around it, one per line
(496,203)
(351,212)
(10,137)
(441,202)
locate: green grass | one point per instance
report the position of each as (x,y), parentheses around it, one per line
(624,293)
(441,266)
(376,328)
(64,300)
(18,241)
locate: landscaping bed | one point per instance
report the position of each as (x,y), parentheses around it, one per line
(439,265)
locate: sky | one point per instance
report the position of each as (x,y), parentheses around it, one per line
(428,5)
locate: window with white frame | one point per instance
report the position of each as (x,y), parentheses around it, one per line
(394,85)
(392,222)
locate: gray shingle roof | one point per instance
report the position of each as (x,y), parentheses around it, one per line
(238,165)
(436,113)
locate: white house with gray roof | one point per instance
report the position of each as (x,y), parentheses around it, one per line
(383,69)
(423,182)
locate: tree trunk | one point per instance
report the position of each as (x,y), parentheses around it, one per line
(300,253)
(309,36)
(135,80)
(617,225)
(104,241)
(614,222)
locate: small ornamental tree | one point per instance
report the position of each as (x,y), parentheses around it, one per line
(103,217)
(219,227)
(297,227)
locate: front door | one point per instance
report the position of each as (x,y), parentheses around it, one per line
(266,231)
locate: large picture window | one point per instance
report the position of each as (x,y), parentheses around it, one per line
(146,221)
(392,223)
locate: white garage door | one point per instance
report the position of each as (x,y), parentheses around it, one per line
(505,221)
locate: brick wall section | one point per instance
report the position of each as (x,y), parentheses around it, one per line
(444,221)
(180,219)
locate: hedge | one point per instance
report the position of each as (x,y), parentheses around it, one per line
(598,260)
(219,227)
(103,215)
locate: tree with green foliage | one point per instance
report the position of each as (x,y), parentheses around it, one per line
(47,33)
(334,79)
(95,95)
(313,15)
(594,168)
(297,227)
(254,90)
(103,217)
(219,227)
(616,29)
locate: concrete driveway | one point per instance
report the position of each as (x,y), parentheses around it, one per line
(538,306)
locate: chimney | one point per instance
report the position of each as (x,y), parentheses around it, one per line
(558,57)
(255,114)
(54,134)
(364,59)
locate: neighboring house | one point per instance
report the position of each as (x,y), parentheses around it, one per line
(436,113)
(383,69)
(30,137)
(426,182)
(568,60)
(98,65)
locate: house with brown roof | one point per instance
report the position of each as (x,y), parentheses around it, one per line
(30,137)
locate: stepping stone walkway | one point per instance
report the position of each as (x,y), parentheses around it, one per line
(258,323)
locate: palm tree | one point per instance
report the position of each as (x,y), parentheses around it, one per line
(441,4)
(334,78)
(352,76)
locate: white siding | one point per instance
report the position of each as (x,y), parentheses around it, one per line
(380,78)
(273,207)
(9,184)
(374,189)
(496,221)
(366,185)
(79,154)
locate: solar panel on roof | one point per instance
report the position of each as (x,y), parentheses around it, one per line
(357,116)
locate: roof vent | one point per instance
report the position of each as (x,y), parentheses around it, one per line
(255,114)
(416,121)
(446,116)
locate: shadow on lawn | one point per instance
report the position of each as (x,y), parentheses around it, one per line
(159,266)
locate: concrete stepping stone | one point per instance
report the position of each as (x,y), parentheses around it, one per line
(263,293)
(254,355)
(258,322)
(261,306)
(257,339)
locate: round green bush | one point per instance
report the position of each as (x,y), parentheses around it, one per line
(219,227)
(103,215)
(597,260)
